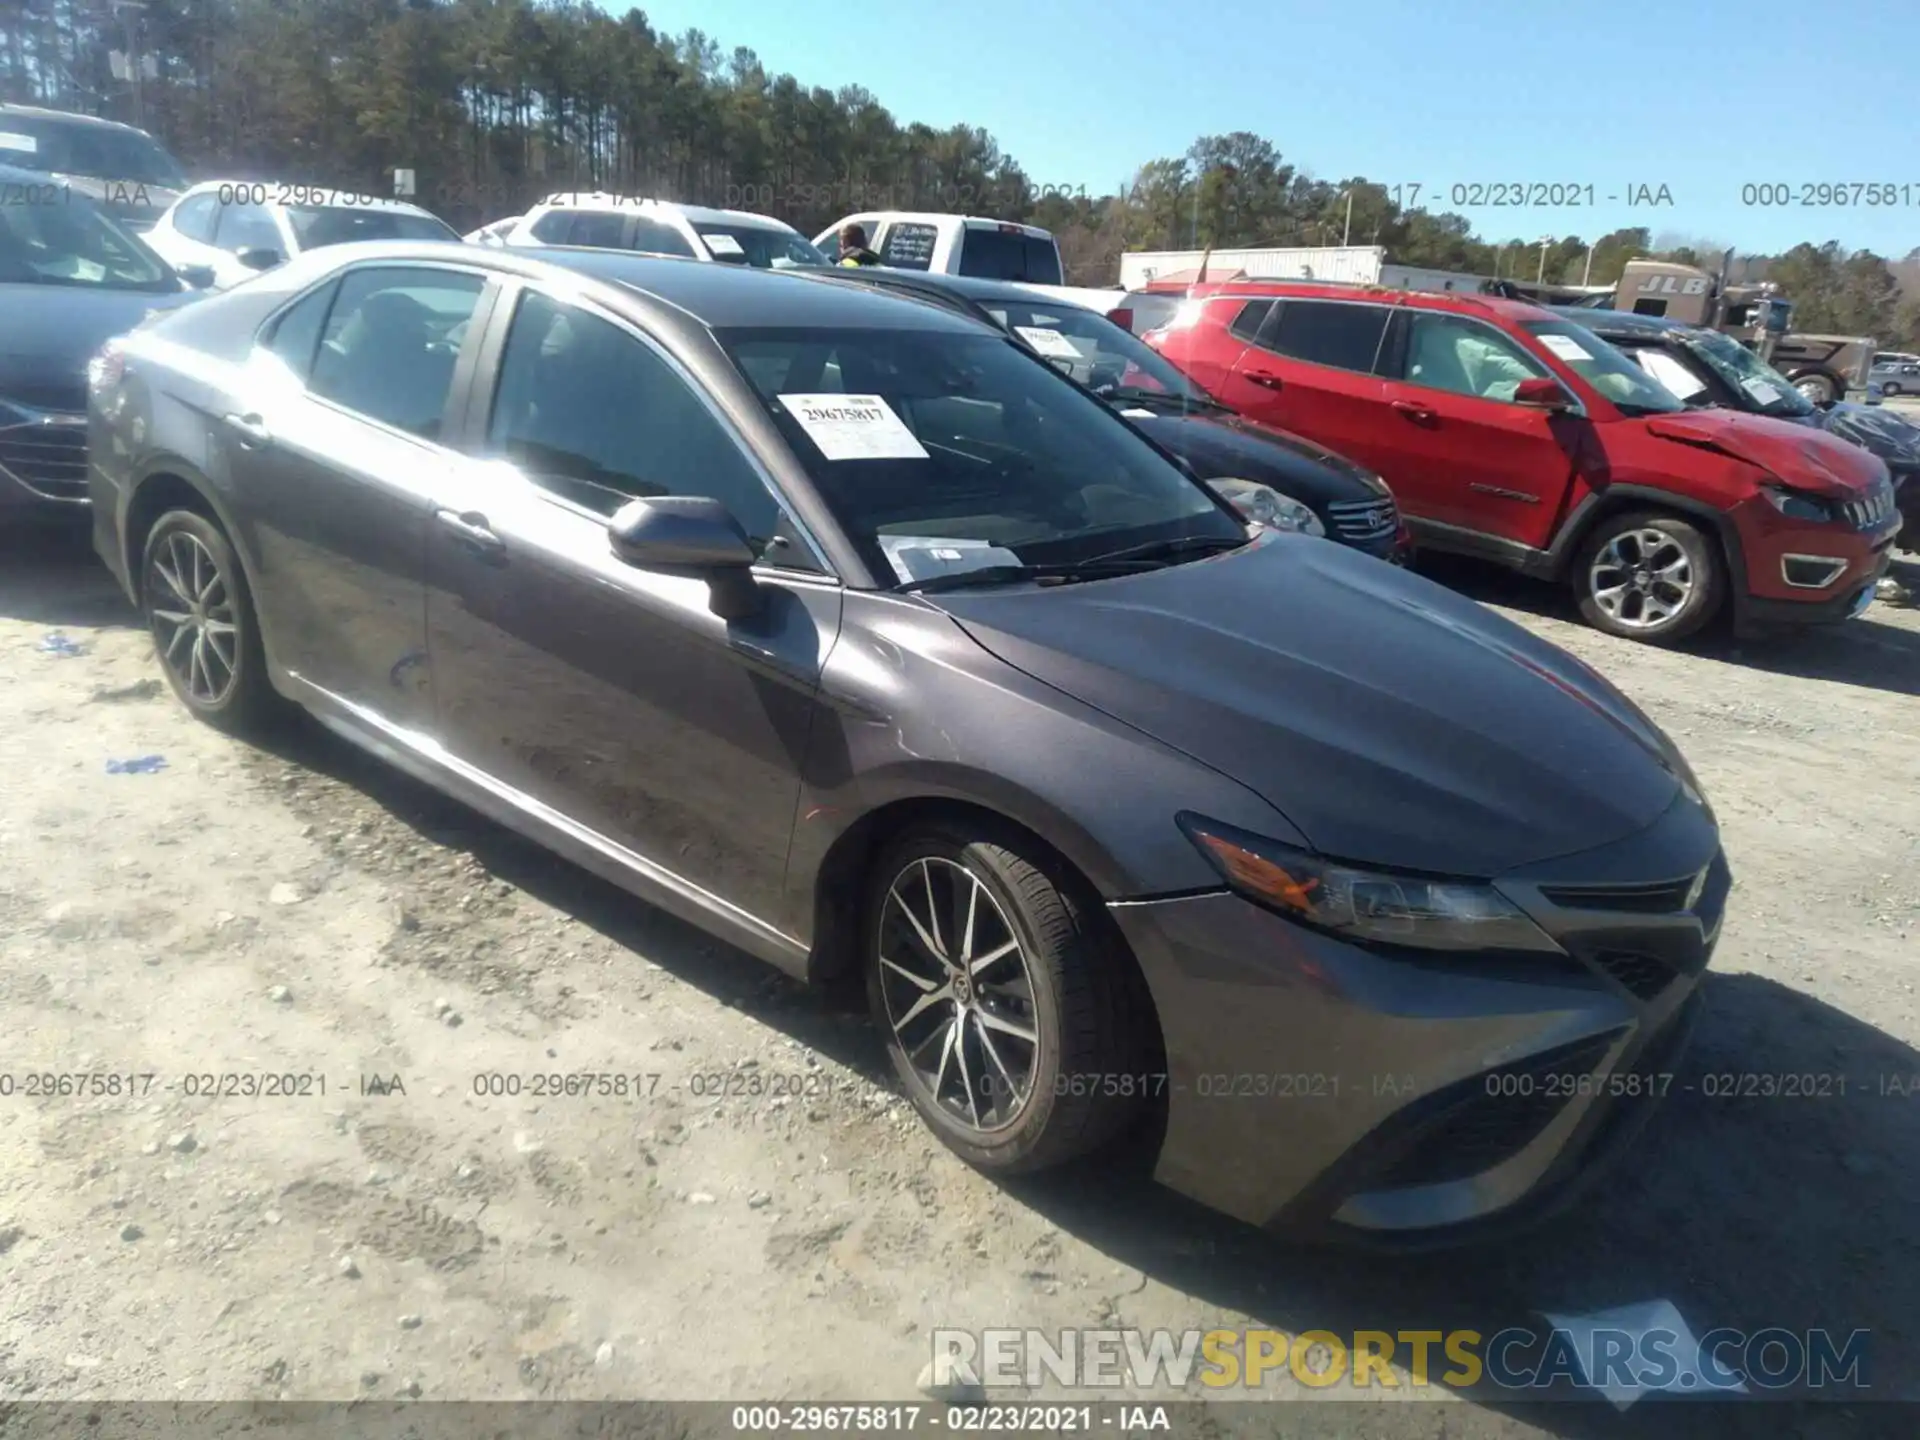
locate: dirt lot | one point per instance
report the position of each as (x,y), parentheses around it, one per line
(303,910)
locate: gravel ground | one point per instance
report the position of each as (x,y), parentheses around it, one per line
(303,910)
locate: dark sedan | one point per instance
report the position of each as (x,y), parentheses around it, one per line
(849,630)
(70,280)
(1710,369)
(1285,481)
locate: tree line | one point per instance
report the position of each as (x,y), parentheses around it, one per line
(494,103)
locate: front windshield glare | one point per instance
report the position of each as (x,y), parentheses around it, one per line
(1762,386)
(763,249)
(1094,351)
(939,452)
(317,226)
(74,244)
(1606,369)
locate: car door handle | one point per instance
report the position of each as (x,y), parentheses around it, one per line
(1419,414)
(473,531)
(1266,379)
(251,429)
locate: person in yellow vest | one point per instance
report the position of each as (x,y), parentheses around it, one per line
(853,247)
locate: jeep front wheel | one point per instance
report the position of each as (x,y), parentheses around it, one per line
(1649,577)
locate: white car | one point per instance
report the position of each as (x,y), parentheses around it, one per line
(657,227)
(236,228)
(970,245)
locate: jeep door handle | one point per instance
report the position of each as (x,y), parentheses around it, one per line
(1266,379)
(251,429)
(472,531)
(1419,414)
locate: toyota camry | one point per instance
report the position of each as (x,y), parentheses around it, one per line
(852,631)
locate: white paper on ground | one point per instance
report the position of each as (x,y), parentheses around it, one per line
(921,557)
(1565,346)
(723,244)
(1636,1325)
(854,427)
(20,144)
(1050,343)
(1765,391)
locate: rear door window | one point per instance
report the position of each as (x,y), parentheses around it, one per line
(908,245)
(596,228)
(390,344)
(656,237)
(1337,333)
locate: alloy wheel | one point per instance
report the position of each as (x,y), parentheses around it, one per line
(1642,578)
(958,992)
(194,626)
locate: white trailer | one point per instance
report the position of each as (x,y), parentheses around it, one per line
(1337,264)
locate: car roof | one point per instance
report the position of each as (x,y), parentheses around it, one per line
(967,287)
(40,112)
(937,217)
(1620,322)
(720,297)
(601,200)
(1452,301)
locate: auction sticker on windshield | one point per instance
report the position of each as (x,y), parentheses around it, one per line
(1565,347)
(1765,391)
(23,144)
(854,427)
(723,244)
(1048,342)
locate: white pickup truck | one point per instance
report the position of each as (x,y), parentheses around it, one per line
(969,245)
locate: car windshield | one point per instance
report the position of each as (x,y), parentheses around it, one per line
(763,248)
(1096,352)
(1631,389)
(317,226)
(101,152)
(940,452)
(73,243)
(1760,386)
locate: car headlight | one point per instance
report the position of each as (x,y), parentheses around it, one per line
(1417,911)
(1796,506)
(1268,506)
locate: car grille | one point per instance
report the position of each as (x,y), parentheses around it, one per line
(1644,976)
(1663,897)
(48,457)
(1364,522)
(1499,1115)
(1875,510)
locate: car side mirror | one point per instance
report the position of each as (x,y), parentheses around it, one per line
(258,257)
(692,533)
(1542,393)
(200,277)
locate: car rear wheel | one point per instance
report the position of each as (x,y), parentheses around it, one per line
(1890,388)
(195,600)
(1817,388)
(1017,1033)
(1649,577)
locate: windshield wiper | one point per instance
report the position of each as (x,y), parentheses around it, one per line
(1133,395)
(1013,574)
(1170,551)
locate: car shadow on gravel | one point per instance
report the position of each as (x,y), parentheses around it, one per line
(1866,652)
(827,1019)
(1742,1210)
(49,575)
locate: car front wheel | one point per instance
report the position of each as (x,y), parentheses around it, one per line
(1817,388)
(1649,577)
(195,600)
(1018,1032)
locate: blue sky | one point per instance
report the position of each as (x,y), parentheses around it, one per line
(1701,96)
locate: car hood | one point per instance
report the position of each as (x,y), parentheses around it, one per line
(1225,446)
(1801,456)
(1391,721)
(51,331)
(1894,439)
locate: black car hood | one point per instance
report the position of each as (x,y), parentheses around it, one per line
(1226,446)
(49,332)
(1391,721)
(1894,439)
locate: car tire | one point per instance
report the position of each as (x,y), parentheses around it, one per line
(1817,388)
(1889,389)
(1618,577)
(194,598)
(1080,1080)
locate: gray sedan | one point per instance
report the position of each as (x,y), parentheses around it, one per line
(853,632)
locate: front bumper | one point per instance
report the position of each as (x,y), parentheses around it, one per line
(1402,1100)
(1778,551)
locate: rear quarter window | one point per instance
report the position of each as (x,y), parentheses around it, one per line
(1005,255)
